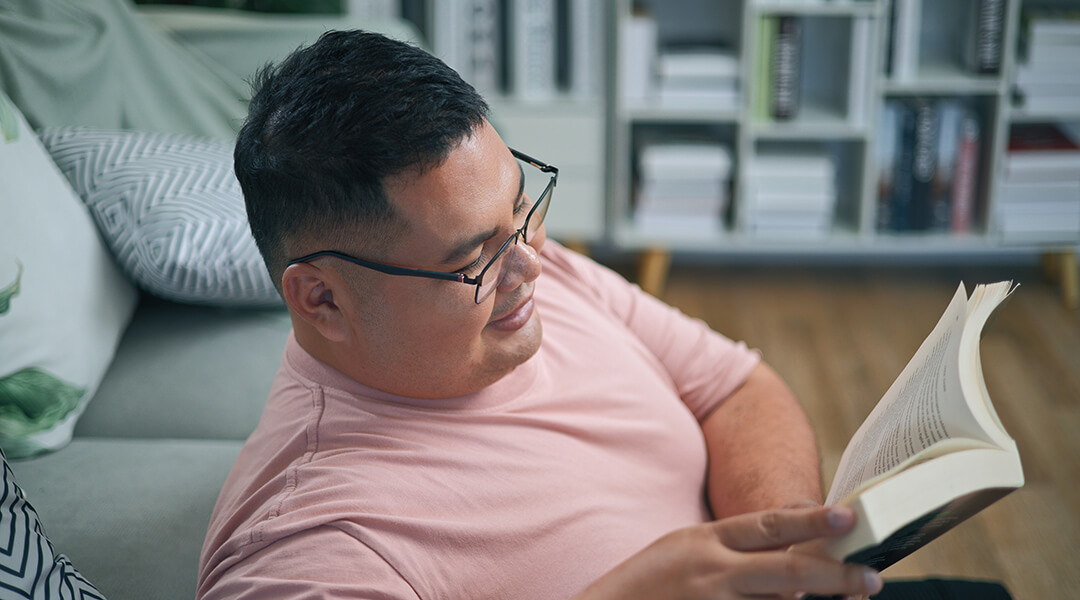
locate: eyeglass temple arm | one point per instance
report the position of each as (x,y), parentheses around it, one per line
(543,166)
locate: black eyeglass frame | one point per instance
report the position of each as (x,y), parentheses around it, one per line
(453,276)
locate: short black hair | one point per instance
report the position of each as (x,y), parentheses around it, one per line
(330,123)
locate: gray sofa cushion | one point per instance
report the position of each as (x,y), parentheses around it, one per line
(185,371)
(130,514)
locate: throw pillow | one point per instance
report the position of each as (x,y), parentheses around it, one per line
(63,302)
(29,566)
(171,209)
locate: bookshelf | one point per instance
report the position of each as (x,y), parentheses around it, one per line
(858,61)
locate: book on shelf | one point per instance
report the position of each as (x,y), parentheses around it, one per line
(1042,150)
(532,49)
(861,68)
(985,37)
(786,68)
(697,77)
(933,451)
(638,39)
(928,165)
(763,83)
(905,29)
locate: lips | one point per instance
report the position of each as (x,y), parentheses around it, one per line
(516,318)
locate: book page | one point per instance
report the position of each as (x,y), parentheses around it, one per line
(923,409)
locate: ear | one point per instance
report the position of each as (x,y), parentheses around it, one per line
(310,293)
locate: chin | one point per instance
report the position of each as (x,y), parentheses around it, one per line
(517,347)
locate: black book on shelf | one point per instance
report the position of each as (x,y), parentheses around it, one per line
(923,164)
(786,59)
(903,179)
(985,37)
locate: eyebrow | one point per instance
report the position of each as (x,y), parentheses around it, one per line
(466,247)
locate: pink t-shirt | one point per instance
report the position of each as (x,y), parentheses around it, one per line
(531,488)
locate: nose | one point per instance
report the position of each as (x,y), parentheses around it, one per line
(522,263)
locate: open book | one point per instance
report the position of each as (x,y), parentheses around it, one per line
(933,451)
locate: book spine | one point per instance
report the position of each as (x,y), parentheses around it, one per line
(886,152)
(534,49)
(949,112)
(984,48)
(448,31)
(964,175)
(484,45)
(763,74)
(787,54)
(586,33)
(637,52)
(859,74)
(907,23)
(924,164)
(903,179)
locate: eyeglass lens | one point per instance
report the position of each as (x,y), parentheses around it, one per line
(494,272)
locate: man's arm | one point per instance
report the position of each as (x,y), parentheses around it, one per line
(762,451)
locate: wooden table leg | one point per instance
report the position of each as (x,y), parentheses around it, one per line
(1061,268)
(1070,279)
(653,266)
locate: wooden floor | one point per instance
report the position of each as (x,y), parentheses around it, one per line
(840,336)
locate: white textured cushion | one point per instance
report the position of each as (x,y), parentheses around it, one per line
(171,209)
(29,566)
(63,301)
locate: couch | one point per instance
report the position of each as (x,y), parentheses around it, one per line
(182,378)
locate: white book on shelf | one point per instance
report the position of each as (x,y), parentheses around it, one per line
(861,68)
(449,35)
(792,163)
(484,48)
(685,158)
(1030,193)
(637,53)
(698,62)
(586,48)
(907,27)
(533,49)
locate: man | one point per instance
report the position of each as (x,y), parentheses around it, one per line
(467,410)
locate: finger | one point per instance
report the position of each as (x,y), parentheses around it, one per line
(783,573)
(772,529)
(802,503)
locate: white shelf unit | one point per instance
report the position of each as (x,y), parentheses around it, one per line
(831,48)
(563,124)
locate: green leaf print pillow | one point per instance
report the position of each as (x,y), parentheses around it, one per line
(63,301)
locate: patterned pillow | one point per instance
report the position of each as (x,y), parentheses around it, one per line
(29,567)
(171,210)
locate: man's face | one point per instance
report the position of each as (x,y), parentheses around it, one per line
(428,338)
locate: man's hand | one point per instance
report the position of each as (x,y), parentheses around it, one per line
(744,556)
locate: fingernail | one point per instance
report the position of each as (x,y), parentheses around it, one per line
(873,580)
(840,516)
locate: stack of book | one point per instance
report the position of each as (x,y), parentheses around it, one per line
(1049,80)
(683,187)
(928,165)
(1039,195)
(790,193)
(698,77)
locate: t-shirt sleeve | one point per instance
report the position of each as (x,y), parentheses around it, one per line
(705,366)
(324,562)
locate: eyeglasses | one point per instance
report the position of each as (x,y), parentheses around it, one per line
(489,277)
